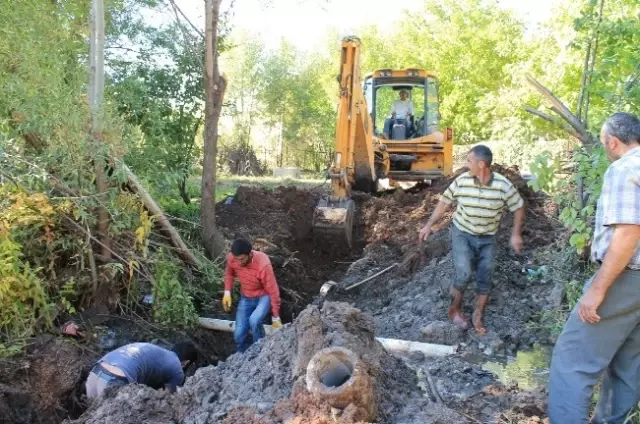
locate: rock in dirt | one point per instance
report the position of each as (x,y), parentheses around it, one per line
(441,332)
(557,295)
(266,384)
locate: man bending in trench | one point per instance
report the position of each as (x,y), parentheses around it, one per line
(481,195)
(141,363)
(259,292)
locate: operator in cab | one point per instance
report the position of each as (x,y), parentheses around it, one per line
(401,108)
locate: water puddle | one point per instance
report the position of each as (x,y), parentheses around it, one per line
(530,369)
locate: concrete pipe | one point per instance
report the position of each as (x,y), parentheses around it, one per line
(337,376)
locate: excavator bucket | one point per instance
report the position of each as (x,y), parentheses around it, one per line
(333,222)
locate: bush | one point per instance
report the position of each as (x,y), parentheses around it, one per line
(172,304)
(24,304)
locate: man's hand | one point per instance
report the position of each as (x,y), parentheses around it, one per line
(226,301)
(425,232)
(276,322)
(517,243)
(589,303)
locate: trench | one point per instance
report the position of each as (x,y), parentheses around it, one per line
(279,223)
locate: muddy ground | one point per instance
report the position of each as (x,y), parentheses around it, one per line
(265,385)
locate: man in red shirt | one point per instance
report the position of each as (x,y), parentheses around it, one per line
(259,292)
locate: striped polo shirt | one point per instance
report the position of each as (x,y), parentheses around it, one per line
(480,206)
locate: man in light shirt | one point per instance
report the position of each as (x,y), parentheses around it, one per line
(601,339)
(400,109)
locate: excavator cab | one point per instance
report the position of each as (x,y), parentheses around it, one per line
(374,144)
(417,148)
(395,125)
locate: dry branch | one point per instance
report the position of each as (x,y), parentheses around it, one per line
(583,134)
(164,223)
(553,120)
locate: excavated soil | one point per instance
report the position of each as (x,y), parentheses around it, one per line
(411,301)
(266,383)
(45,385)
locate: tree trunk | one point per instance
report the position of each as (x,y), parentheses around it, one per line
(182,187)
(96,95)
(214,92)
(583,81)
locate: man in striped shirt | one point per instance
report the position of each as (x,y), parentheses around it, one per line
(259,292)
(481,195)
(602,334)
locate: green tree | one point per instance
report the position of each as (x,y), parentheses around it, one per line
(164,100)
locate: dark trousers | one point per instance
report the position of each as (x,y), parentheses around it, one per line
(584,352)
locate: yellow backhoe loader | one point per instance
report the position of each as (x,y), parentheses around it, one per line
(377,138)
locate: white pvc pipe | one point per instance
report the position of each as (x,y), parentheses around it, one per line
(390,345)
(406,346)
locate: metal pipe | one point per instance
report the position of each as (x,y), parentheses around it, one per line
(353,286)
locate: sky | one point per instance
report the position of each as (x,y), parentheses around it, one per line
(305,23)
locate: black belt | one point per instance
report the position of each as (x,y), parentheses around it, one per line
(99,368)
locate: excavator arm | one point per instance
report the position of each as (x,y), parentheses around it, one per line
(355,157)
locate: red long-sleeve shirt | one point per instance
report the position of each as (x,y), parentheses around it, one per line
(256,279)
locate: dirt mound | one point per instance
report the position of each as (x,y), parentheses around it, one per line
(282,216)
(266,384)
(44,386)
(396,219)
(413,305)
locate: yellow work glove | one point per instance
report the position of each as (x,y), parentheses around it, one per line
(276,322)
(226,301)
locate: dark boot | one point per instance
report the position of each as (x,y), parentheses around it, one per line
(455,309)
(478,313)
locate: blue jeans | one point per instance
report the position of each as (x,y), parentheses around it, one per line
(100,379)
(469,250)
(250,315)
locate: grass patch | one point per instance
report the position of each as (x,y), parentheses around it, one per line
(566,268)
